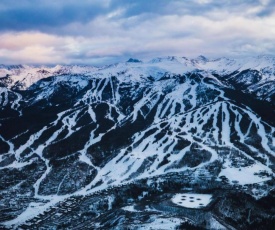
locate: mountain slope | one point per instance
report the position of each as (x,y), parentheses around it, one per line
(84,130)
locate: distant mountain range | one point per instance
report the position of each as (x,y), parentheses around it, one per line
(108,147)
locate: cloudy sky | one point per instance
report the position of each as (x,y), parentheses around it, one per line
(105,31)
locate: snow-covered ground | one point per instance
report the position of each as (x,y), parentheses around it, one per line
(161,223)
(32,211)
(245,175)
(130,208)
(156,67)
(192,200)
(170,114)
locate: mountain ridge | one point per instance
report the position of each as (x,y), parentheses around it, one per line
(87,131)
(260,81)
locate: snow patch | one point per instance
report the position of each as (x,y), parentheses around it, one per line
(161,223)
(130,208)
(244,175)
(192,200)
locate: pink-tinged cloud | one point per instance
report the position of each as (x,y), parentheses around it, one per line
(112,30)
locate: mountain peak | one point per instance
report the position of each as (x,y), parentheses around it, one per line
(165,59)
(134,60)
(202,58)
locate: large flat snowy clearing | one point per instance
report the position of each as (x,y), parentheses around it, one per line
(192,200)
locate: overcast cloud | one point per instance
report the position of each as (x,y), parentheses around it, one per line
(104,31)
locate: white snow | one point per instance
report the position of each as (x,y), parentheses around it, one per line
(161,223)
(135,71)
(17,165)
(32,211)
(192,200)
(130,208)
(126,165)
(3,96)
(215,225)
(244,175)
(28,75)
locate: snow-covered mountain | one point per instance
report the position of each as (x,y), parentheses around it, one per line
(254,75)
(108,147)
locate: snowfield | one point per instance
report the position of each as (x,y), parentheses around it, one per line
(192,200)
(161,224)
(245,175)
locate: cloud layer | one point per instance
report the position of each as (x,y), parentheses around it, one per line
(102,31)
